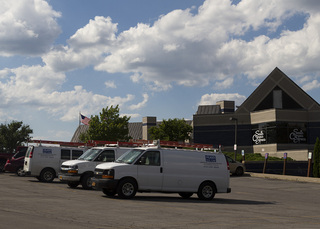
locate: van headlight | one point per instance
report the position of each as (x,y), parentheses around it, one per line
(108,174)
(73,169)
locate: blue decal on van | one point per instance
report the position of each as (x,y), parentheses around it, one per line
(211,158)
(47,151)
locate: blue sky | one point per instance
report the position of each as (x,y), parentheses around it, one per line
(152,58)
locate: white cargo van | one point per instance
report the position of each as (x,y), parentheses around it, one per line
(164,170)
(43,162)
(81,170)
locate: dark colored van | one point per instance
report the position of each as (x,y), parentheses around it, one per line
(15,164)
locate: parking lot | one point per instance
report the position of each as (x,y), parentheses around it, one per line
(253,203)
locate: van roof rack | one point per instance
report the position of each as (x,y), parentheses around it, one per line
(132,143)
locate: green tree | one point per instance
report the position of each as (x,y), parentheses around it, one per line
(13,135)
(108,126)
(316,159)
(171,130)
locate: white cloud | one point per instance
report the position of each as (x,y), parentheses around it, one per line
(110,84)
(203,48)
(37,87)
(86,47)
(224,84)
(211,99)
(27,27)
(141,104)
(311,85)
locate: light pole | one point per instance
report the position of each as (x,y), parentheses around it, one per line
(235,136)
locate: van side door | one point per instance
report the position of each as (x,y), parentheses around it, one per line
(149,171)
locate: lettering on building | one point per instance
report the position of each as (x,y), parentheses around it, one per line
(297,136)
(258,137)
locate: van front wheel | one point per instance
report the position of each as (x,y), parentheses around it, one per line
(86,181)
(127,189)
(206,191)
(47,175)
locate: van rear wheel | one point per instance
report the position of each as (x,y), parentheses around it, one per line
(20,171)
(127,189)
(206,191)
(47,175)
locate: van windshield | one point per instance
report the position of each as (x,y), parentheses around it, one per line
(90,154)
(130,156)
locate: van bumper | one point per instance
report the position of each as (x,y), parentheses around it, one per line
(104,183)
(69,178)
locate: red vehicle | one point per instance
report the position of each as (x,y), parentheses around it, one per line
(15,163)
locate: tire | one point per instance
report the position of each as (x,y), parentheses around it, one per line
(108,192)
(20,172)
(127,189)
(239,171)
(47,175)
(207,191)
(86,181)
(73,184)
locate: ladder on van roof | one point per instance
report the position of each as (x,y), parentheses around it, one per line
(135,143)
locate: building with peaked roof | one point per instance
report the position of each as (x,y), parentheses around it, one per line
(277,117)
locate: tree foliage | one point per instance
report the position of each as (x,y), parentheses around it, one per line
(13,135)
(108,126)
(316,159)
(171,130)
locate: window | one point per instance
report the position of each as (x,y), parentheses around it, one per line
(150,158)
(76,154)
(106,156)
(65,154)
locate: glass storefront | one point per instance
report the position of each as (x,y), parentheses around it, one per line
(279,132)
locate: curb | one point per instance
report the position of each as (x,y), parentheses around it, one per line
(285,177)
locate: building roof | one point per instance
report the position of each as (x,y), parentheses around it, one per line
(277,80)
(208,109)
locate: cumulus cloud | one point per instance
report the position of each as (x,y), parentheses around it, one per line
(27,27)
(37,87)
(110,84)
(311,85)
(141,104)
(204,47)
(211,99)
(201,48)
(86,47)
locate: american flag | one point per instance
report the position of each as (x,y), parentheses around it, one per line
(85,120)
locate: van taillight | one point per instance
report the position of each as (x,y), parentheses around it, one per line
(30,154)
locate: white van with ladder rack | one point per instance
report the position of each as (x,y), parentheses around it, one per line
(164,170)
(43,162)
(80,171)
